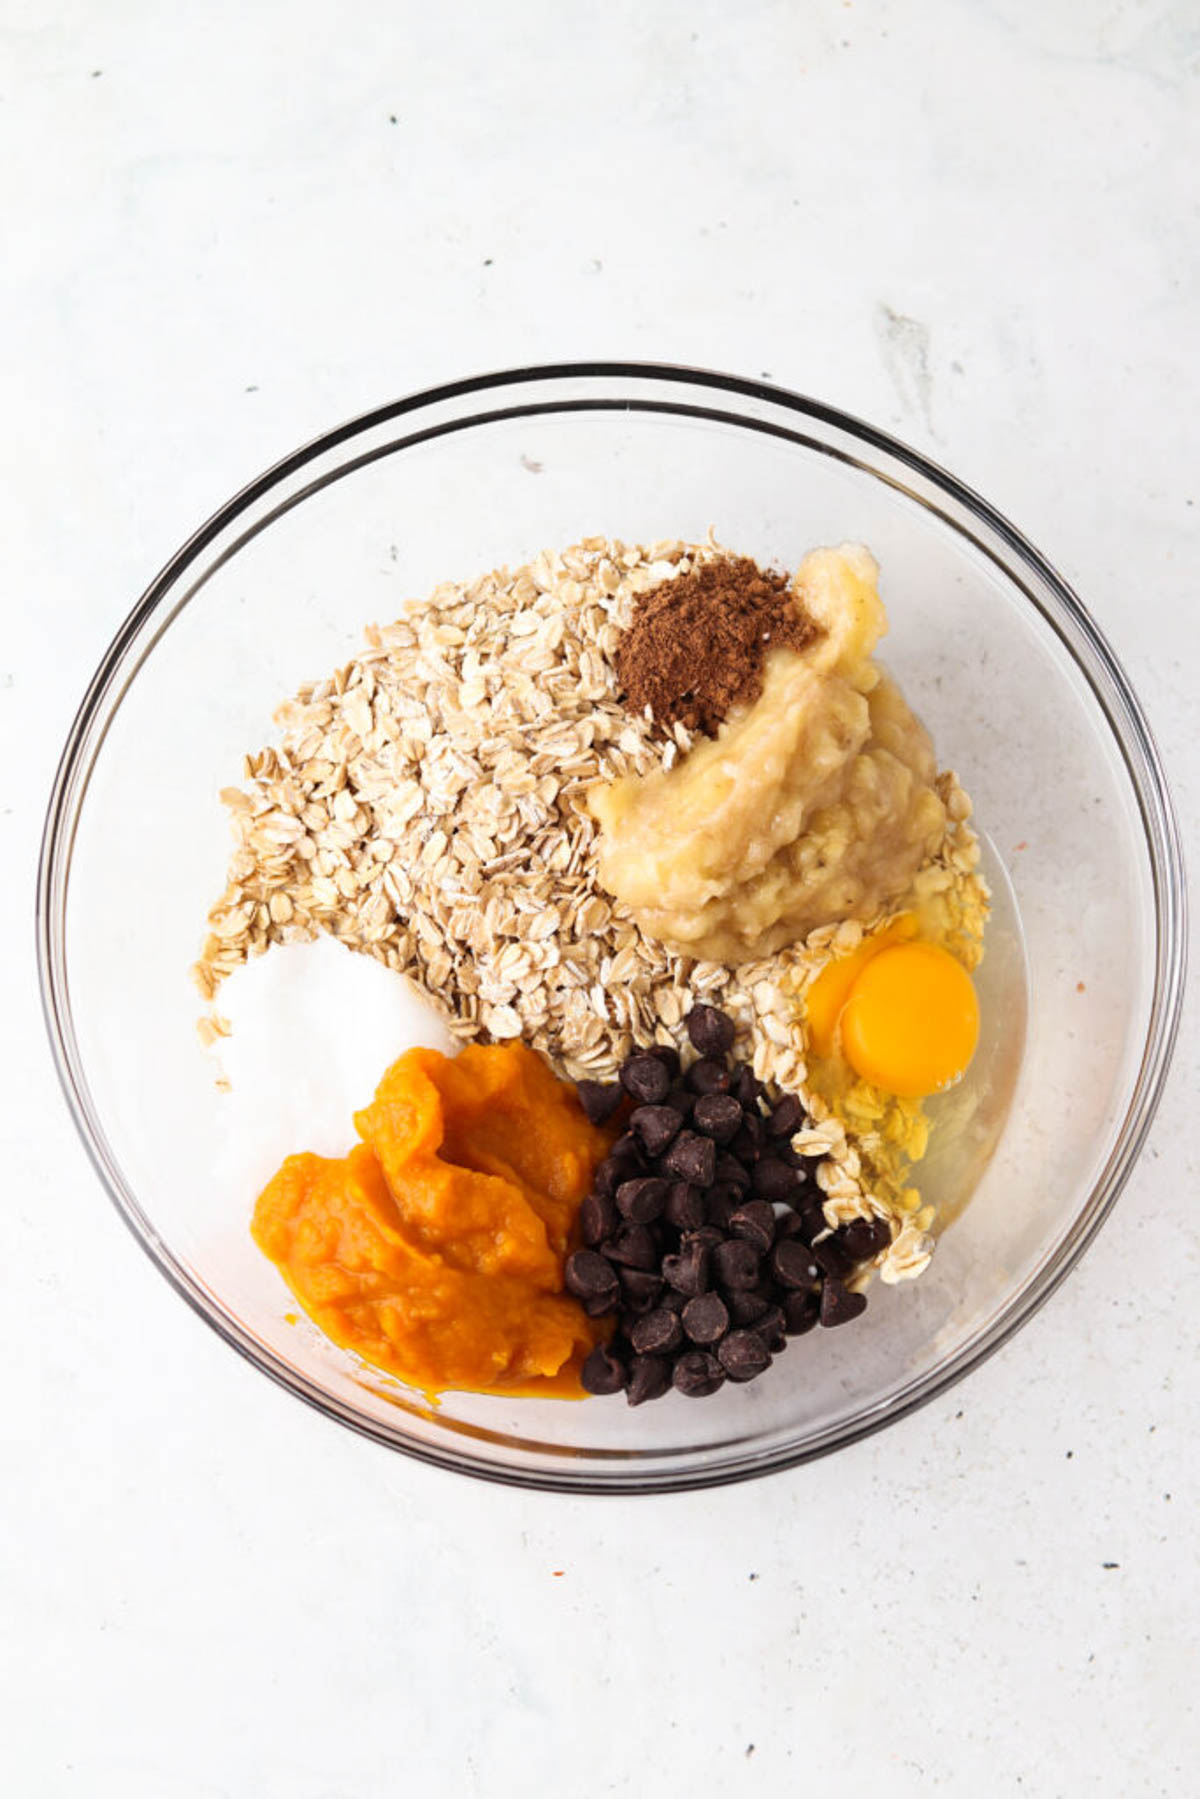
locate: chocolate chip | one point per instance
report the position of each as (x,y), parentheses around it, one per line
(710,1031)
(672,1300)
(839,1305)
(773,1179)
(743,1355)
(626,1151)
(681,1101)
(612,1171)
(771,1327)
(786,1118)
(597,1218)
(632,1247)
(812,1217)
(745,1146)
(589,1276)
(747,1308)
(645,1078)
(720,1203)
(603,1372)
(883,1235)
(801,1311)
(755,1221)
(599,1099)
(705,1319)
(641,1289)
(792,1224)
(718,1115)
(736,1264)
(746,1089)
(654,1127)
(698,1374)
(658,1333)
(685,1206)
(730,1169)
(598,1305)
(649,1378)
(865,1237)
(793,1266)
(792,1158)
(687,1272)
(668,1055)
(707,1076)
(708,1234)
(832,1258)
(691,1158)
(642,1200)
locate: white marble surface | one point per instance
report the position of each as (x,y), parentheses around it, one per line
(228,226)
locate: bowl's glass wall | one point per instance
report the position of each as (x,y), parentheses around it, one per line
(253,612)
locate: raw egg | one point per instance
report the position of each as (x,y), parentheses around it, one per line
(826,998)
(910,1022)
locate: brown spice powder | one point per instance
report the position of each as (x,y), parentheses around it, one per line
(696,645)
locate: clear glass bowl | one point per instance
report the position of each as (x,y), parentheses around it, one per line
(1023,697)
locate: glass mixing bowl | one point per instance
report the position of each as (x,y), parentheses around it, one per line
(1023,697)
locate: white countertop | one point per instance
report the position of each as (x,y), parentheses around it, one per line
(226,228)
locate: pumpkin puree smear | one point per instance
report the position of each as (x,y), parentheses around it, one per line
(435,1248)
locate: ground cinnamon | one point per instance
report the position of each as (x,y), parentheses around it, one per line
(696,645)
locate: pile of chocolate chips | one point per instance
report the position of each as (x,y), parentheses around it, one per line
(703,1232)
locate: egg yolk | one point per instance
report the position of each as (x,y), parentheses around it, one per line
(910,1023)
(828,994)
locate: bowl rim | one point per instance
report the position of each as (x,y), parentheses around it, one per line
(1092,656)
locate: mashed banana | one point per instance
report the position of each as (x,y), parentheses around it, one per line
(814,804)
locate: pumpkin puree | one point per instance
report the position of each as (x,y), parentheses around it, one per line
(435,1249)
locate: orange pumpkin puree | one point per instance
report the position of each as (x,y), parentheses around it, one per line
(435,1249)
